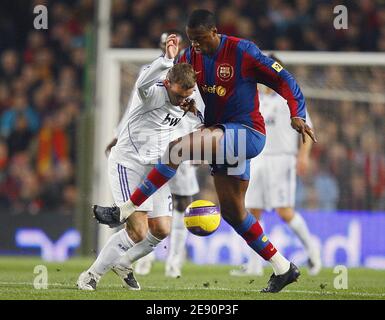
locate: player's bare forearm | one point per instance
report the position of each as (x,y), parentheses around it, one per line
(302,128)
(303,157)
(305,148)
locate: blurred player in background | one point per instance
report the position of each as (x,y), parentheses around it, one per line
(228,70)
(183,186)
(164,94)
(273,178)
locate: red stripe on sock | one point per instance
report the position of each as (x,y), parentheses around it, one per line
(268,252)
(138,197)
(157,178)
(253,233)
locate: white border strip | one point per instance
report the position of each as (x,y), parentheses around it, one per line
(289,57)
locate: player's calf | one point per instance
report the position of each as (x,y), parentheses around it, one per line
(160,227)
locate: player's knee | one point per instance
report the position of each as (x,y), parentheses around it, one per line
(160,232)
(233,215)
(286,214)
(161,228)
(136,226)
(136,232)
(257,213)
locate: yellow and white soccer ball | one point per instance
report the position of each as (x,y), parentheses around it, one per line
(202,217)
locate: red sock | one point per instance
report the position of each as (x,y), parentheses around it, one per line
(252,232)
(155,179)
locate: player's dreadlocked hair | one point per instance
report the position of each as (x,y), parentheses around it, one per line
(201,18)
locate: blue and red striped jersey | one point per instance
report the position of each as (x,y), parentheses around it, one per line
(227,82)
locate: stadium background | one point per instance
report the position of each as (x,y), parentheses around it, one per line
(47,111)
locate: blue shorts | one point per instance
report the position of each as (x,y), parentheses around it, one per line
(240,143)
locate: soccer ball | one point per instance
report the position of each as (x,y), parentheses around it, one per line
(202,217)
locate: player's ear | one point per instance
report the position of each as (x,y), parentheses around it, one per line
(214,31)
(166,83)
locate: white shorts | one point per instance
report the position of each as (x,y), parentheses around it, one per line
(124,180)
(272,182)
(185,181)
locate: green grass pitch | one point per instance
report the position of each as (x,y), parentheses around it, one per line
(198,283)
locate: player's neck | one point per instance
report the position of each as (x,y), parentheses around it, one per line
(216,44)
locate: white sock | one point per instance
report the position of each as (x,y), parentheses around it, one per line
(127,209)
(299,226)
(139,250)
(117,245)
(279,263)
(178,239)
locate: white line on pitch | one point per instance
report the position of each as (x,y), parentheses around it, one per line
(363,294)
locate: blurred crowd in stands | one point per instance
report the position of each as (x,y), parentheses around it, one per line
(347,168)
(348,162)
(271,24)
(41,97)
(42,91)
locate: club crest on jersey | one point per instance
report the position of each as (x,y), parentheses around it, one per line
(225,72)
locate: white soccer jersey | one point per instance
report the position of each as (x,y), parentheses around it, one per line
(281,138)
(126,114)
(152,120)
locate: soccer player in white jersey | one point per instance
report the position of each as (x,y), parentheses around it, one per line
(165,95)
(183,187)
(273,178)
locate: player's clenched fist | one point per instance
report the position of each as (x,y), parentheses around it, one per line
(189,105)
(172,43)
(301,127)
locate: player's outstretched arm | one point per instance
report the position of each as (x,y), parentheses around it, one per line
(272,74)
(153,73)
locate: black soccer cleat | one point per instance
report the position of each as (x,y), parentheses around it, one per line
(277,283)
(107,215)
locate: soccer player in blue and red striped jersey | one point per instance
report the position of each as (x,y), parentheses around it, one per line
(228,70)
